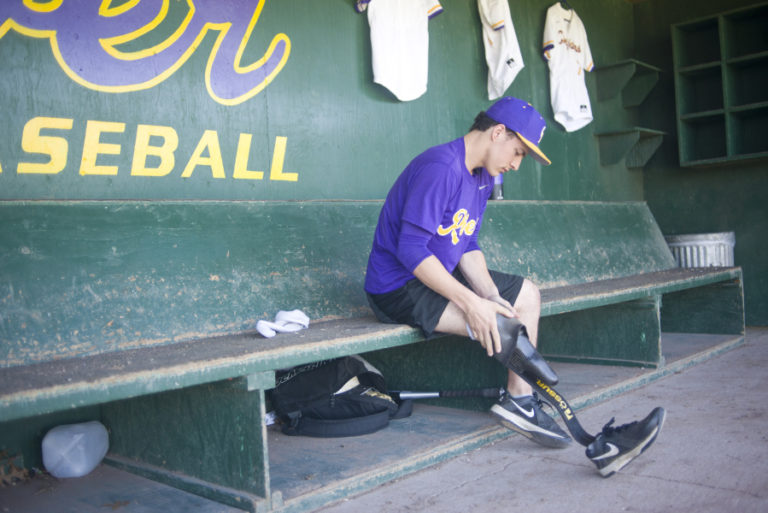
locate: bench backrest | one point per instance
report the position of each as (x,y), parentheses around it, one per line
(557,243)
(81,278)
(87,277)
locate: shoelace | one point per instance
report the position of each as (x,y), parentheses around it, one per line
(537,401)
(540,403)
(608,428)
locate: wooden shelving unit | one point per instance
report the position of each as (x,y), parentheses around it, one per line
(721,71)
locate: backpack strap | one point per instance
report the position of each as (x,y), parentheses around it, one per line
(404,409)
(334,428)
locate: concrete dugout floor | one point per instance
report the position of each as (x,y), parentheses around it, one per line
(711,456)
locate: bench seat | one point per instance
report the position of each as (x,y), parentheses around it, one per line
(145,311)
(568,298)
(74,382)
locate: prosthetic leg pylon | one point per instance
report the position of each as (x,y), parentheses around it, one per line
(518,355)
(610,450)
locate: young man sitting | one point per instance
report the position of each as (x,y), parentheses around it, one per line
(427,270)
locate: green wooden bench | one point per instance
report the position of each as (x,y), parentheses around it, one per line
(143,314)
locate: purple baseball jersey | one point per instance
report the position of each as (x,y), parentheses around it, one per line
(434,208)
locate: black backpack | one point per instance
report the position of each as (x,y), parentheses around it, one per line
(334,398)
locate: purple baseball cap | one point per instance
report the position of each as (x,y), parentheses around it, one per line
(520,117)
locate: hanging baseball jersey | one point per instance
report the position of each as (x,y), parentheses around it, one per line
(502,51)
(400,44)
(567,52)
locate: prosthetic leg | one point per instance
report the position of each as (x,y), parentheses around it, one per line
(610,450)
(518,355)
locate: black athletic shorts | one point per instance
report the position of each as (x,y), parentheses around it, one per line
(417,305)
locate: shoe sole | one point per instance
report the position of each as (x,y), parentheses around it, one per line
(529,430)
(623,460)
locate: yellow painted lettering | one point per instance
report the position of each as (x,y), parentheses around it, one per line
(241,160)
(278,159)
(143,149)
(209,141)
(93,147)
(36,5)
(56,148)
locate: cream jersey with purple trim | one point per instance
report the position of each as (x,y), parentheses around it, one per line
(567,52)
(502,51)
(400,44)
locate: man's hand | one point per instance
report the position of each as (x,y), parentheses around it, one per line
(467,307)
(503,302)
(481,320)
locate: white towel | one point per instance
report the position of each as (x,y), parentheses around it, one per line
(285,322)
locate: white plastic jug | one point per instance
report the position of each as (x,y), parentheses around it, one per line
(74,450)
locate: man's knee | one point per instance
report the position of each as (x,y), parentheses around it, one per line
(529,297)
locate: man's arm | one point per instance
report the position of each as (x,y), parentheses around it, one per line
(478,312)
(475,270)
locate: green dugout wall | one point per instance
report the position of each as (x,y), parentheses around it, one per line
(727,197)
(339,135)
(275,100)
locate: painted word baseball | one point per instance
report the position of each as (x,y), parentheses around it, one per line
(154,151)
(122,46)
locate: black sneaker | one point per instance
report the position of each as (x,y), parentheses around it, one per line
(615,447)
(526,417)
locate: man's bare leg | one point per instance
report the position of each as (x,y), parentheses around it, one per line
(528,308)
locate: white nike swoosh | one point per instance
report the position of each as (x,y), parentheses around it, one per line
(612,451)
(482,187)
(528,413)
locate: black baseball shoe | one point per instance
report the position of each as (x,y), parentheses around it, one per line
(527,418)
(615,447)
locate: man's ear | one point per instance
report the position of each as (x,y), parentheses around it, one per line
(497,131)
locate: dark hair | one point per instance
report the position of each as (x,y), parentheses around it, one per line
(483,122)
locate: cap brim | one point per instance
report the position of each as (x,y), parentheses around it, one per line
(536,153)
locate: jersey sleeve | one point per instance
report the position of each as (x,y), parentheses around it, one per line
(492,13)
(433,8)
(412,245)
(550,33)
(429,190)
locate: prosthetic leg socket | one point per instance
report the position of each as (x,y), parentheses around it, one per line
(519,355)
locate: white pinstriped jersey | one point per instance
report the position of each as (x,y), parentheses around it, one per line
(567,51)
(502,51)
